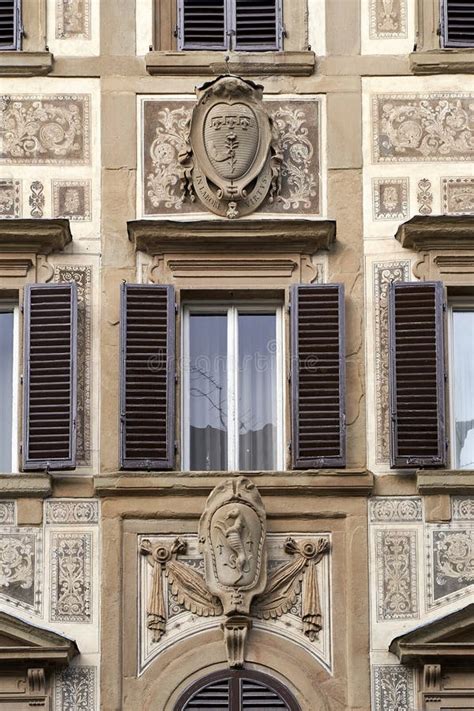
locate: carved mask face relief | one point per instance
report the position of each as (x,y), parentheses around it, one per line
(232,539)
(231,161)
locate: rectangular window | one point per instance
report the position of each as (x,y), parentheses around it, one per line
(232,388)
(8,380)
(457,23)
(243,25)
(10,24)
(462,385)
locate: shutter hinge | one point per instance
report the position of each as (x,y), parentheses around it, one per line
(175,307)
(446,445)
(176,31)
(445,306)
(438,31)
(176,445)
(289,376)
(289,446)
(283,31)
(21,449)
(22,309)
(21,379)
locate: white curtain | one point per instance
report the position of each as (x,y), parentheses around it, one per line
(6,390)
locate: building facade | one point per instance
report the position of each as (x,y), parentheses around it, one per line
(236,337)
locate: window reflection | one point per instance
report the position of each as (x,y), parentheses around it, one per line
(463,382)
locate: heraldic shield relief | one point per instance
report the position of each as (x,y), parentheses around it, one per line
(231,163)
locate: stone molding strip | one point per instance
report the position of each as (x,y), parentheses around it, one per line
(445,481)
(445,61)
(25,64)
(355,482)
(37,486)
(239,64)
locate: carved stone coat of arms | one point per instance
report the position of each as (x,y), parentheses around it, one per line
(231,162)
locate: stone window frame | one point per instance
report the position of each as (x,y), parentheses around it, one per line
(296,58)
(32,57)
(429,55)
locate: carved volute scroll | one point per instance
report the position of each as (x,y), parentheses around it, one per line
(233,159)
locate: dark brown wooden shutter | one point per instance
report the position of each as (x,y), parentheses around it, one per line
(147,376)
(258,24)
(318,376)
(202,24)
(50,376)
(417,380)
(458,23)
(10,24)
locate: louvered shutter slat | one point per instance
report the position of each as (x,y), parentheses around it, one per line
(258,24)
(215,697)
(416,365)
(9,24)
(202,24)
(255,696)
(458,23)
(147,376)
(318,376)
(50,361)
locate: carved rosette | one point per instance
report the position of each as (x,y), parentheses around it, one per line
(232,160)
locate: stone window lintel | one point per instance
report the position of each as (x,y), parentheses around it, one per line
(25,64)
(296,63)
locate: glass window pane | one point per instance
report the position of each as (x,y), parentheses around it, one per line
(463,378)
(208,392)
(6,390)
(257,409)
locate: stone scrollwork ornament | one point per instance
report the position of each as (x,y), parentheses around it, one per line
(232,161)
(232,540)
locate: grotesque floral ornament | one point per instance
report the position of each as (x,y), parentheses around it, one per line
(231,162)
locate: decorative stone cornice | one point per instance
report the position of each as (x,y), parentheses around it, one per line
(30,644)
(344,482)
(444,61)
(449,638)
(426,233)
(25,64)
(34,236)
(239,63)
(16,486)
(304,236)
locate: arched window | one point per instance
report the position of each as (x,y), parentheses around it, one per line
(237,691)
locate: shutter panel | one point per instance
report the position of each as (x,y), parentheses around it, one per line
(215,697)
(416,365)
(50,376)
(9,24)
(202,24)
(458,23)
(258,24)
(318,376)
(257,696)
(147,376)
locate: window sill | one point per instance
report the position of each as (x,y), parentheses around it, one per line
(239,63)
(25,64)
(36,486)
(324,482)
(445,481)
(443,61)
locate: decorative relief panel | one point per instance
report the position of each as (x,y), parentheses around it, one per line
(71,577)
(72,199)
(81,275)
(384,274)
(450,561)
(73,19)
(296,125)
(423,127)
(395,509)
(21,567)
(75,689)
(390,198)
(44,129)
(393,688)
(7,512)
(424,197)
(462,508)
(10,198)
(162,625)
(397,590)
(457,196)
(71,511)
(36,200)
(388,19)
